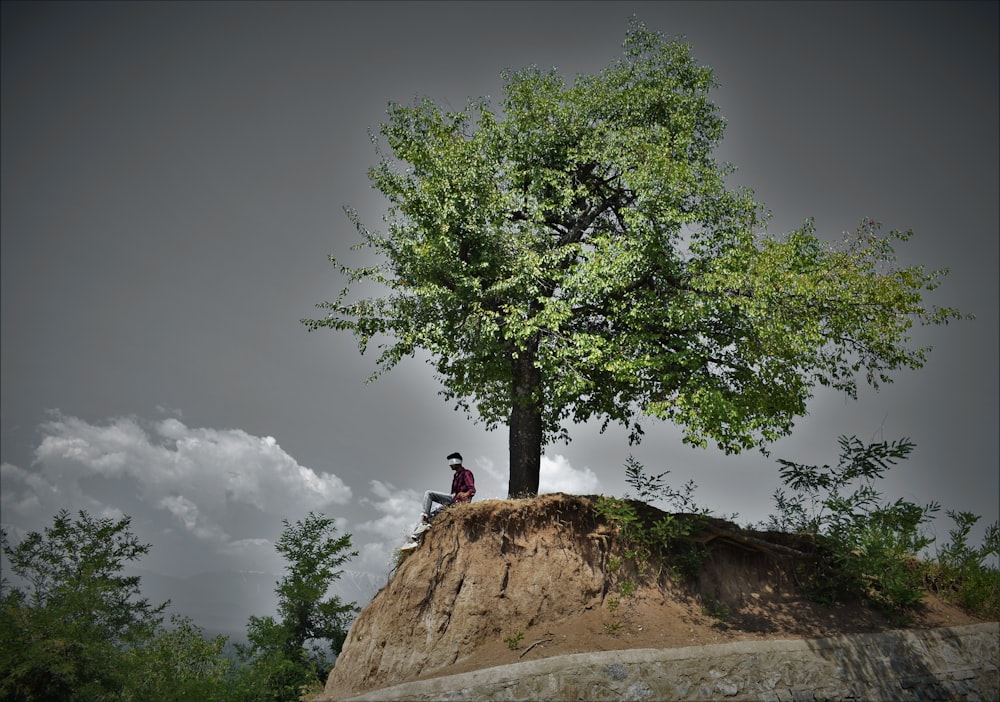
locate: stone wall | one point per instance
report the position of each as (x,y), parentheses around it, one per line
(959,663)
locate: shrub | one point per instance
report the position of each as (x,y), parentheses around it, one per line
(870,547)
(661,540)
(961,573)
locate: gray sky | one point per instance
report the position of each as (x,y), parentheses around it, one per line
(173,178)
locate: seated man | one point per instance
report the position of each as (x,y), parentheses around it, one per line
(463,487)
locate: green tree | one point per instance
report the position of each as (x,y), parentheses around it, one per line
(579,256)
(292,652)
(63,632)
(76,629)
(180,665)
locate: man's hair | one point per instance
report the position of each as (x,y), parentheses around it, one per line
(455,455)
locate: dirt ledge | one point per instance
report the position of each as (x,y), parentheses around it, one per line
(508,581)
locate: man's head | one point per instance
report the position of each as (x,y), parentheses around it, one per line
(455,460)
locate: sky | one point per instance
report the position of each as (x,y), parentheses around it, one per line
(174,177)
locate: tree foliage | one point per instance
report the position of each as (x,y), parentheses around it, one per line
(77,629)
(578,255)
(180,665)
(315,555)
(292,652)
(63,632)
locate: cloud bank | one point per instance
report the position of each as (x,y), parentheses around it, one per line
(206,481)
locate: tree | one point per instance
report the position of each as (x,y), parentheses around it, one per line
(62,634)
(579,256)
(307,617)
(78,630)
(314,555)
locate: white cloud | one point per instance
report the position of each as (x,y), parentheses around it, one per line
(186,512)
(171,429)
(170,411)
(557,475)
(491,483)
(22,491)
(29,495)
(198,476)
(74,447)
(398,510)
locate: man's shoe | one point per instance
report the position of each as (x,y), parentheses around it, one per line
(409,547)
(421,528)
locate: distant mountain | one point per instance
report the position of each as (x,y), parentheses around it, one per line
(218,602)
(358,586)
(222,602)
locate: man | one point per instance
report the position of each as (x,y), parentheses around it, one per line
(463,488)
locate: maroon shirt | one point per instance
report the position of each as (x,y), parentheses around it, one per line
(463,481)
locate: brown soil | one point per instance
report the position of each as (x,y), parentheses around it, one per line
(504,581)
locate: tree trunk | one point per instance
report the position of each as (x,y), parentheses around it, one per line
(525,440)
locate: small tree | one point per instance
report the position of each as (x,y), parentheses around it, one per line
(581,257)
(292,652)
(314,557)
(873,544)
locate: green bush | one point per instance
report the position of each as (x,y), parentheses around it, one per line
(869,548)
(178,665)
(961,574)
(863,546)
(661,540)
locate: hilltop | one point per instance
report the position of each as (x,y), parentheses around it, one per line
(503,581)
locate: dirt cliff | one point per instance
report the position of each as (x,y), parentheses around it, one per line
(503,581)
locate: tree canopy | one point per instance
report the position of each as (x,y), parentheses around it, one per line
(578,255)
(76,628)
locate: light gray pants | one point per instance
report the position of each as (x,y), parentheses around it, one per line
(430,497)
